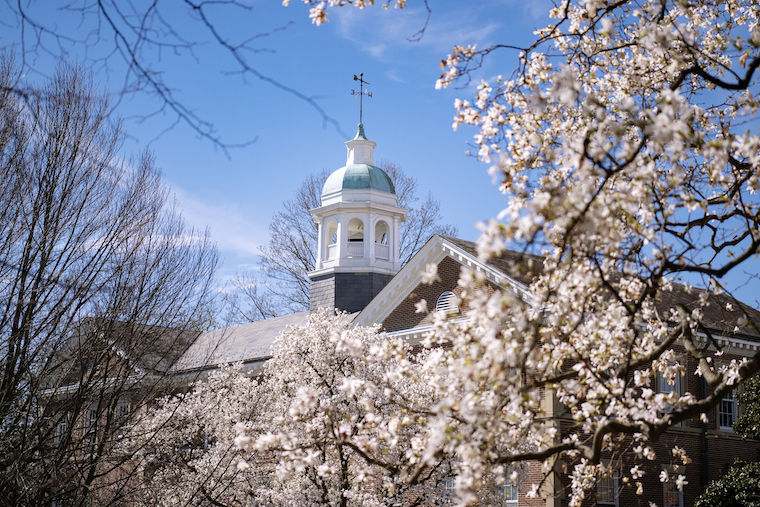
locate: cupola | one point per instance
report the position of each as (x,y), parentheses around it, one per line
(359,222)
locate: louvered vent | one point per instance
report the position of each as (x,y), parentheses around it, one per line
(447,303)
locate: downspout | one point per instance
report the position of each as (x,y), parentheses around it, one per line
(705,453)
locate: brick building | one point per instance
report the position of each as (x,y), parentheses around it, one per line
(358,270)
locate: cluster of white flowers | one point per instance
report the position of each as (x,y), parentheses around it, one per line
(336,410)
(185,443)
(625,168)
(622,167)
(627,165)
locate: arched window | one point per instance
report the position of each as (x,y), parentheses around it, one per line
(332,233)
(447,303)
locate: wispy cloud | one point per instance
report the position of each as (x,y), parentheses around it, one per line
(536,9)
(378,31)
(378,50)
(232,227)
(393,76)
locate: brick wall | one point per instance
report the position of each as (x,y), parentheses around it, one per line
(709,448)
(403,316)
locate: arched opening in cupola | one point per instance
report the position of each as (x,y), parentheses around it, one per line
(331,240)
(382,249)
(355,238)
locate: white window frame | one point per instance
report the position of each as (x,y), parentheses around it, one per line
(511,493)
(121,412)
(90,428)
(664,387)
(731,402)
(612,484)
(449,488)
(511,489)
(90,420)
(669,489)
(209,440)
(61,427)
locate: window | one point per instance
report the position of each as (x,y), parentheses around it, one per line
(90,428)
(355,230)
(448,489)
(331,240)
(510,493)
(91,420)
(607,488)
(60,431)
(122,409)
(447,303)
(382,250)
(672,496)
(355,238)
(381,233)
(665,386)
(727,411)
(209,440)
(511,487)
(120,417)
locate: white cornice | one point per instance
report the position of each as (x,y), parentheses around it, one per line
(358,199)
(492,274)
(387,270)
(414,335)
(736,346)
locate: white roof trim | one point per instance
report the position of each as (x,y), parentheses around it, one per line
(410,276)
(251,367)
(735,346)
(414,335)
(738,346)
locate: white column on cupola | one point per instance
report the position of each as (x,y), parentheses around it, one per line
(342,236)
(396,248)
(369,234)
(320,240)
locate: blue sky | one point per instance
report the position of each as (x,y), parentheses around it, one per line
(408,119)
(235,194)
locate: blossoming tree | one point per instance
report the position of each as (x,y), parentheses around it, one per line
(327,423)
(626,147)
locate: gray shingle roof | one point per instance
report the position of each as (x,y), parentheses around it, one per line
(247,342)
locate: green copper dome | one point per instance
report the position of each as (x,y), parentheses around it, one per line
(358,177)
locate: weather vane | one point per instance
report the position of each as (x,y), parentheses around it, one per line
(360,93)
